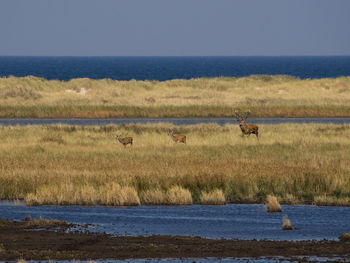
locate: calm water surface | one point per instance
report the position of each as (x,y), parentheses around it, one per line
(233,221)
(179,121)
(165,68)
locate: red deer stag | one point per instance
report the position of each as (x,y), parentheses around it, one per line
(125,141)
(177,138)
(246,129)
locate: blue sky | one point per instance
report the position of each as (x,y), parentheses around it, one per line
(174,28)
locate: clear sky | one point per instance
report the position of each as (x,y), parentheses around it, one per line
(174,28)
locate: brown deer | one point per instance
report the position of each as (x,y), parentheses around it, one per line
(246,129)
(125,141)
(177,138)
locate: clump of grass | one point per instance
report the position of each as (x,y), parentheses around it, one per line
(153,197)
(45,222)
(116,195)
(272,204)
(179,196)
(28,218)
(345,237)
(286,223)
(21,260)
(215,197)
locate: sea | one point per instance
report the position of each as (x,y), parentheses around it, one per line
(166,68)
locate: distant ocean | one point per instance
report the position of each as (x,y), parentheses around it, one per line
(165,68)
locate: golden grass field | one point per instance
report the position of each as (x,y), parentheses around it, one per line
(61,164)
(265,96)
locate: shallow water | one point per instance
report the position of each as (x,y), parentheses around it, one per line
(176,121)
(233,221)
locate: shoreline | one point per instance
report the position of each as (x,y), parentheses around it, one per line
(47,239)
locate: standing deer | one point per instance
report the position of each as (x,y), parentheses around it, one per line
(125,141)
(177,138)
(246,129)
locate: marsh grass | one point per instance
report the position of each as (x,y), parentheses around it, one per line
(272,204)
(331,200)
(265,96)
(153,197)
(178,195)
(215,197)
(286,225)
(307,163)
(68,194)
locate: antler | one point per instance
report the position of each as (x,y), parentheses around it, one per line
(247,114)
(237,114)
(240,115)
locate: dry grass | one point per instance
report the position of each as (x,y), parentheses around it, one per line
(331,200)
(215,197)
(304,163)
(286,223)
(179,196)
(272,204)
(108,194)
(153,197)
(266,96)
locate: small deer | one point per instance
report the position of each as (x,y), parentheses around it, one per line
(125,141)
(177,138)
(246,129)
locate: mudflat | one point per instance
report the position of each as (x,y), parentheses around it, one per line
(48,239)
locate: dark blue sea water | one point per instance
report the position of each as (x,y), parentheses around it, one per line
(165,68)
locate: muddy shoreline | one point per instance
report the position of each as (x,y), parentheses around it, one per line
(48,239)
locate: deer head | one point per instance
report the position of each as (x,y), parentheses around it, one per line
(240,116)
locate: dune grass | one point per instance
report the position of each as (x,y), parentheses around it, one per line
(62,164)
(265,96)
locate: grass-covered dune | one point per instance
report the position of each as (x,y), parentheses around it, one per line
(62,164)
(265,96)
